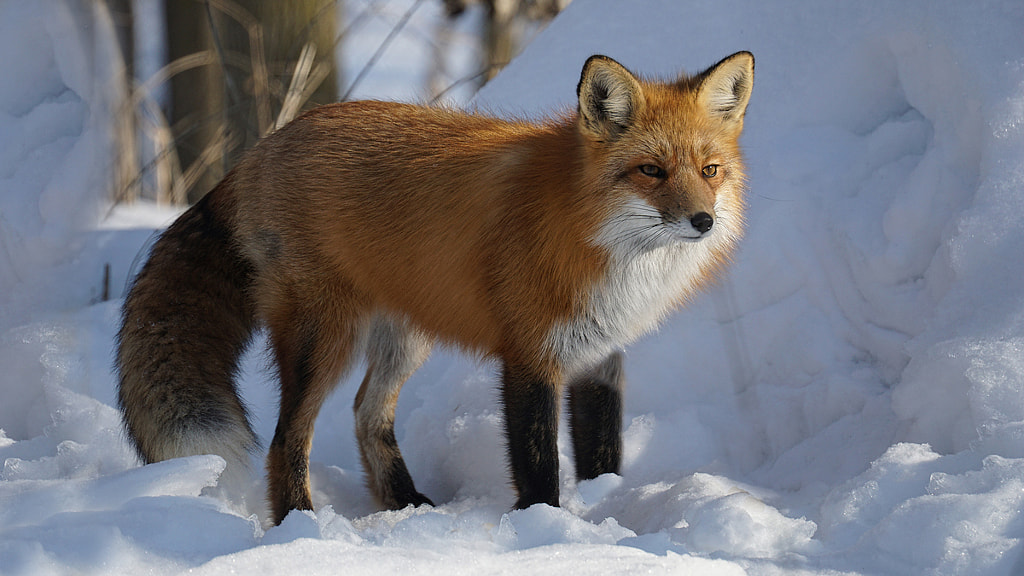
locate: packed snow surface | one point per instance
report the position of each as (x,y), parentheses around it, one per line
(849,399)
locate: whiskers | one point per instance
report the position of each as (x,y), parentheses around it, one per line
(635,229)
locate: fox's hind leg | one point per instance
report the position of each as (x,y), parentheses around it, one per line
(394,351)
(595,417)
(313,346)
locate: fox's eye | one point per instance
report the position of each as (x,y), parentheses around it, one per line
(710,170)
(652,171)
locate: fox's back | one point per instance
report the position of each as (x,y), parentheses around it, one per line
(418,206)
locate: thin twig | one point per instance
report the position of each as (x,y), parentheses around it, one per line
(210,154)
(304,34)
(465,79)
(234,94)
(300,76)
(177,66)
(380,49)
(254,29)
(165,161)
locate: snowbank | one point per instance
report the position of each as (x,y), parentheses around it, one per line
(849,399)
(55,117)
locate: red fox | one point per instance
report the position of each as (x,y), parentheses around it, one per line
(381,229)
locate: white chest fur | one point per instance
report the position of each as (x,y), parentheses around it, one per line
(632,300)
(646,280)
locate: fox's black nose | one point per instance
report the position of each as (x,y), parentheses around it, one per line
(702,222)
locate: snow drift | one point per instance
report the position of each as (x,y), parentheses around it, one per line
(849,399)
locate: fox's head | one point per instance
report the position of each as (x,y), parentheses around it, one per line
(668,153)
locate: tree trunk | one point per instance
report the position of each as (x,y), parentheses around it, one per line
(221,109)
(196,98)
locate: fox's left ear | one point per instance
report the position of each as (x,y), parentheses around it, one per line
(724,88)
(610,97)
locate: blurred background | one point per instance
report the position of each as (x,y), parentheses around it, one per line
(202,80)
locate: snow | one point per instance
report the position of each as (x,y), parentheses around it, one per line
(848,400)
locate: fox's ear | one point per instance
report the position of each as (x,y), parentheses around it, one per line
(610,96)
(724,88)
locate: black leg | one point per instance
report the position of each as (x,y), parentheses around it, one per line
(595,417)
(531,429)
(398,483)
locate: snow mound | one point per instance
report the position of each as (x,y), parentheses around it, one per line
(848,400)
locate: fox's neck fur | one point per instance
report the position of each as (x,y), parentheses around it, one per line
(639,287)
(606,287)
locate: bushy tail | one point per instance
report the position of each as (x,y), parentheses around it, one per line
(186,321)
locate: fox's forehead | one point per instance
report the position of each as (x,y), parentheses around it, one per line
(684,89)
(669,135)
(676,151)
(673,106)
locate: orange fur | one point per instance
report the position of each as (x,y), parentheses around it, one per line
(443,217)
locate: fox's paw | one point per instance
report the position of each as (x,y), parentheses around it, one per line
(412,497)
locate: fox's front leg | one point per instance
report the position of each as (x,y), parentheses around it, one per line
(595,418)
(531,428)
